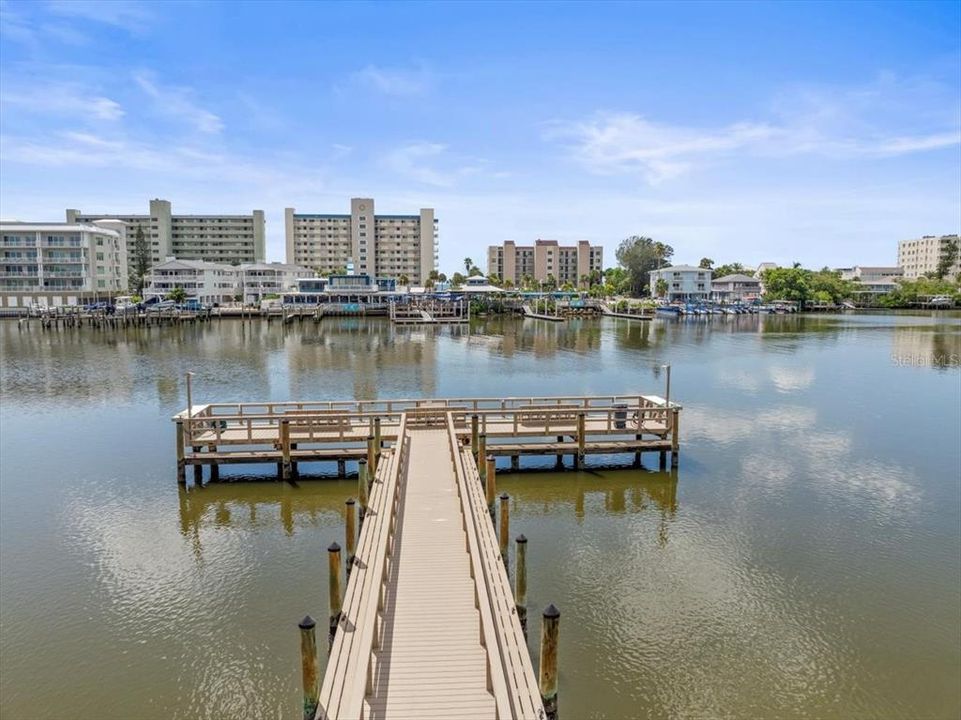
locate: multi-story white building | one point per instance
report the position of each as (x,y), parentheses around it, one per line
(544,259)
(258,280)
(736,287)
(54,264)
(209,283)
(684,282)
(378,245)
(230,239)
(922,256)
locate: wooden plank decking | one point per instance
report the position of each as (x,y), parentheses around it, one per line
(429,628)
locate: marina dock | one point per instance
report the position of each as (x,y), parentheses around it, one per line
(288,434)
(428,626)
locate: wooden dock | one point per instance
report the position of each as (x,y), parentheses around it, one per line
(428,626)
(287,434)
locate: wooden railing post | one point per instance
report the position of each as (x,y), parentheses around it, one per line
(350,531)
(333,562)
(490,484)
(504,527)
(286,470)
(377,438)
(548,664)
(308,660)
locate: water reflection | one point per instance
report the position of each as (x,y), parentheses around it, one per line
(595,493)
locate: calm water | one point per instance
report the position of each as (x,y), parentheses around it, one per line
(803,562)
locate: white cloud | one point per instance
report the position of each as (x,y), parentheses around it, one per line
(431,163)
(125,14)
(886,118)
(177,102)
(71,99)
(398,82)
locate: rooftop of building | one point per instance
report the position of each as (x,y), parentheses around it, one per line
(8,225)
(736,277)
(683,268)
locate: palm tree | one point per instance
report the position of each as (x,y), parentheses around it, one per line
(403,280)
(178,294)
(468,264)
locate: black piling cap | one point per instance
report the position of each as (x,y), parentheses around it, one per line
(351,501)
(505,496)
(307,623)
(370,437)
(522,538)
(551,612)
(334,547)
(362,462)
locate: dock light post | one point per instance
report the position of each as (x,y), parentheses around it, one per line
(308,659)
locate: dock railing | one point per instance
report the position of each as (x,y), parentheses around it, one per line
(510,674)
(349,675)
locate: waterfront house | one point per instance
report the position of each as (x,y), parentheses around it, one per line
(684,282)
(736,287)
(206,282)
(259,280)
(872,281)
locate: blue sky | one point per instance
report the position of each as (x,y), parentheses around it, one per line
(746,132)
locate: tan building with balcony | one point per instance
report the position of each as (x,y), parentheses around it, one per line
(52,264)
(378,245)
(230,239)
(544,259)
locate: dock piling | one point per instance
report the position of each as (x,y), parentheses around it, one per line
(581,439)
(362,488)
(350,530)
(481,454)
(520,580)
(504,527)
(548,664)
(371,459)
(181,465)
(308,659)
(675,438)
(286,468)
(333,562)
(490,484)
(474,431)
(378,443)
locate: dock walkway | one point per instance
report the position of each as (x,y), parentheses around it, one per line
(429,628)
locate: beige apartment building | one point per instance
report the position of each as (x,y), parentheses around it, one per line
(230,239)
(566,263)
(377,245)
(52,264)
(921,256)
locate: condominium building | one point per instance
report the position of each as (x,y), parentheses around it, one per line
(377,245)
(230,239)
(682,282)
(543,260)
(61,263)
(922,256)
